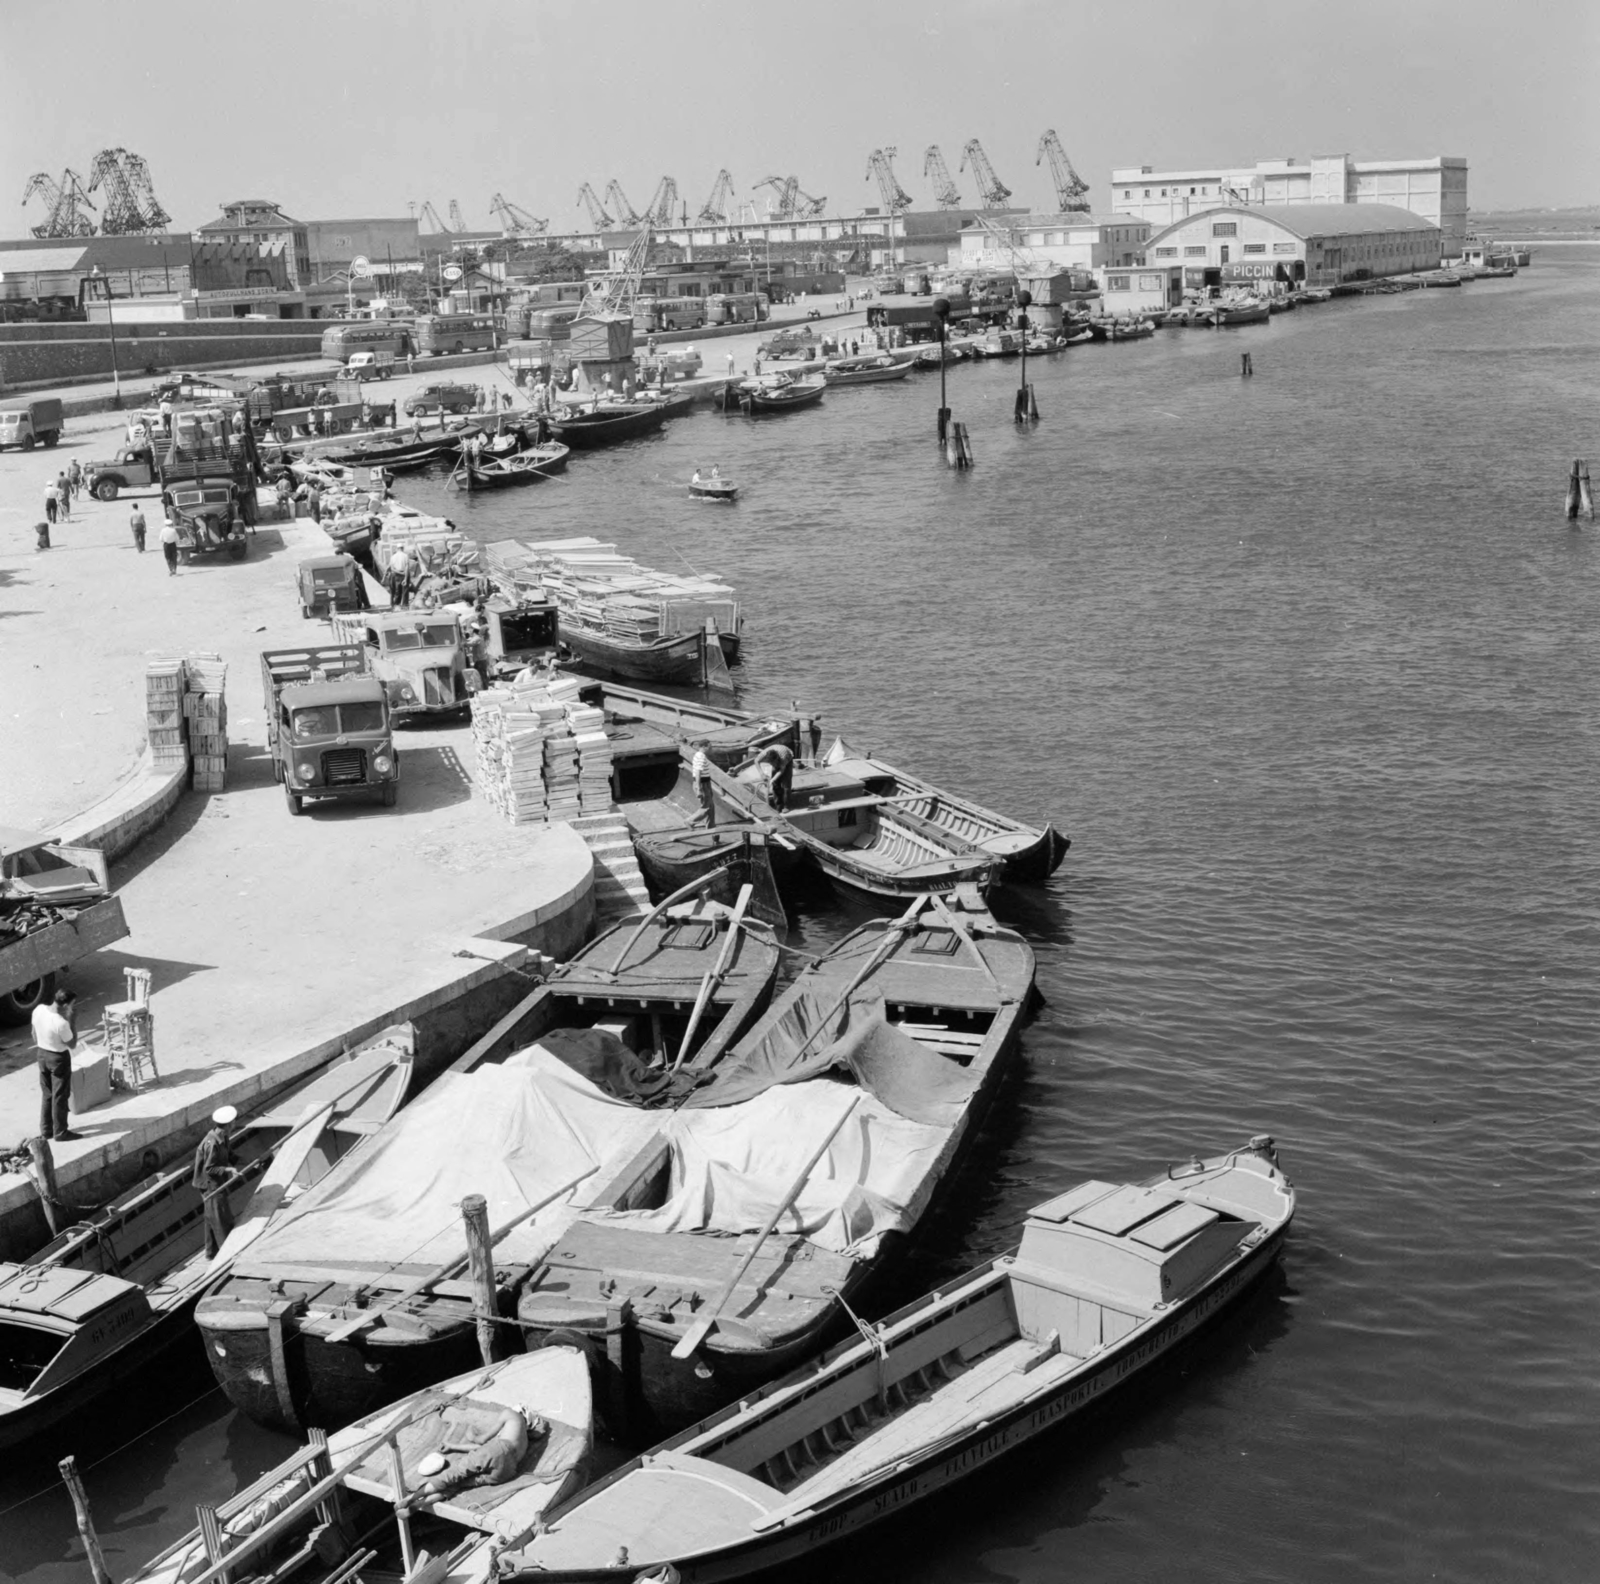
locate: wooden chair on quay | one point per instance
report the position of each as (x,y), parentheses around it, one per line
(128,1031)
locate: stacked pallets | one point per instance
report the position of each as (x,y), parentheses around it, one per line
(541,755)
(206,710)
(164,717)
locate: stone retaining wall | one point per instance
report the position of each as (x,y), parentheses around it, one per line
(44,354)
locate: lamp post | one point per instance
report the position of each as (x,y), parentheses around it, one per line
(99,276)
(1024,302)
(941,312)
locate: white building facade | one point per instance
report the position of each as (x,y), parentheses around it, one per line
(1063,241)
(1434,188)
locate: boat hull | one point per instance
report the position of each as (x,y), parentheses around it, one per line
(677,659)
(587,431)
(758,405)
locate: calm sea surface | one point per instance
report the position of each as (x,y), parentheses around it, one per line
(1308,667)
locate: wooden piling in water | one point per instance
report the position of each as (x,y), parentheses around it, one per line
(80,1507)
(480,1255)
(1027,410)
(1246,367)
(957,448)
(1580,495)
(44,1179)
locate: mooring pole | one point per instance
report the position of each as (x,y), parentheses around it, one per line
(480,1253)
(44,1178)
(941,312)
(80,1506)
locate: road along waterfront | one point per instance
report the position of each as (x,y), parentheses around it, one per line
(1306,666)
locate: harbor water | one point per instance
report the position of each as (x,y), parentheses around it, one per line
(1307,666)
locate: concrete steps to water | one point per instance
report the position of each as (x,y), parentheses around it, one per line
(619,888)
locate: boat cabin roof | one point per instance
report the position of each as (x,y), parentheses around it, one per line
(813,788)
(58,1292)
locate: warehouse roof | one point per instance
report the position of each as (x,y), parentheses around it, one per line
(1315,220)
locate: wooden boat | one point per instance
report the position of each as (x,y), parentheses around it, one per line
(781,398)
(400,455)
(1441,278)
(609,425)
(1027,852)
(355,1301)
(1130,329)
(816,1184)
(1107,1283)
(679,406)
(859,371)
(997,344)
(96,1307)
(737,855)
(875,846)
(355,1505)
(673,658)
(521,467)
(713,489)
(1226,314)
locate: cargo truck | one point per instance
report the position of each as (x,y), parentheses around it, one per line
(30,423)
(55,907)
(328,726)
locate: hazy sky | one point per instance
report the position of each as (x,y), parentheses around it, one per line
(352,109)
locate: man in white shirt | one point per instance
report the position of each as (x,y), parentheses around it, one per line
(699,768)
(55,1036)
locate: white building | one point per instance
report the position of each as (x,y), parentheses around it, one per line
(1434,188)
(1061,241)
(1317,244)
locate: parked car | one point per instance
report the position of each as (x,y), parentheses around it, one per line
(442,398)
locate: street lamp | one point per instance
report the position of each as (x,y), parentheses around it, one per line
(941,312)
(1024,302)
(98,275)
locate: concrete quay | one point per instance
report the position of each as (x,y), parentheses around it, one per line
(274,942)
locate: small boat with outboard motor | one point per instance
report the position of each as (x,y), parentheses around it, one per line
(713,487)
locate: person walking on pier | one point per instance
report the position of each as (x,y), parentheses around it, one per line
(54,1034)
(214,1175)
(137,524)
(64,494)
(51,502)
(169,547)
(75,477)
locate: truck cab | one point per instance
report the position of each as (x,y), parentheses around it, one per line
(29,423)
(370,365)
(209,516)
(520,633)
(420,657)
(335,740)
(133,467)
(330,583)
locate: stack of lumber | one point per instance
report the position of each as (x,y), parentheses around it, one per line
(205,709)
(596,587)
(164,717)
(540,754)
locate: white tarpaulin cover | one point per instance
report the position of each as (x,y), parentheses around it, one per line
(530,1130)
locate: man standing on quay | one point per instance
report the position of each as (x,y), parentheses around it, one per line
(55,1036)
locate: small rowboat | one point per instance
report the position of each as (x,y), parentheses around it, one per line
(1225,314)
(1107,1283)
(781,398)
(1027,852)
(603,426)
(880,371)
(522,467)
(93,1311)
(369,1476)
(713,489)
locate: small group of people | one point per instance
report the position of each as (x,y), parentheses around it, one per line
(774,767)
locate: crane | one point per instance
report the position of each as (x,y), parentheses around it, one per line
(792,203)
(944,189)
(663,203)
(598,217)
(123,215)
(430,218)
(612,295)
(1004,239)
(626,214)
(992,192)
(64,218)
(514,221)
(895,197)
(457,224)
(1072,191)
(138,174)
(714,211)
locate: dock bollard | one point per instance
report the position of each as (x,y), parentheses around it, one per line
(1246,367)
(1580,496)
(957,448)
(480,1253)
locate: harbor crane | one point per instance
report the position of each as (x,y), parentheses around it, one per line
(992,192)
(598,218)
(945,192)
(1003,238)
(1072,191)
(664,204)
(792,203)
(714,211)
(430,218)
(457,224)
(626,214)
(66,200)
(612,295)
(130,203)
(879,164)
(515,221)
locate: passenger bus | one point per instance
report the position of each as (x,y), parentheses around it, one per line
(668,313)
(441,333)
(367,335)
(735,308)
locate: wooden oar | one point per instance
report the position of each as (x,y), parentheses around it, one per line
(714,974)
(370,1317)
(693,887)
(696,1334)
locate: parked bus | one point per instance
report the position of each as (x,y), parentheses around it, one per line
(394,336)
(668,313)
(735,308)
(441,333)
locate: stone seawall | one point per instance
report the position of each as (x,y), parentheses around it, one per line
(42,354)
